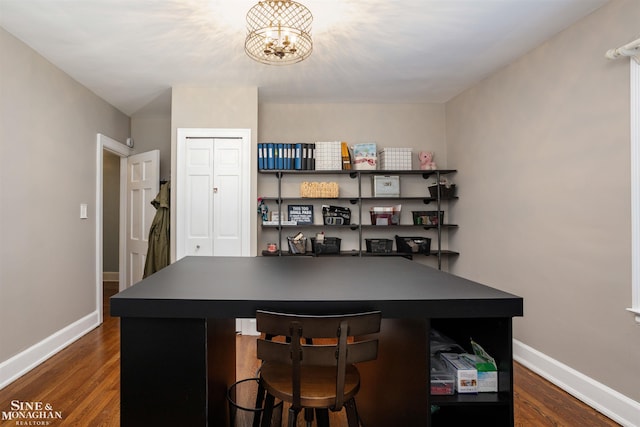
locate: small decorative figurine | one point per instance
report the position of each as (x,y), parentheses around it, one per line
(263,209)
(426,160)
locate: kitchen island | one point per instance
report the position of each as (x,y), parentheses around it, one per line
(178,334)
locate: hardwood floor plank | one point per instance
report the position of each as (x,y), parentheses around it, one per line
(83,381)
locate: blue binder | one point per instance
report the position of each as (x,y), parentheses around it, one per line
(298,157)
(270,156)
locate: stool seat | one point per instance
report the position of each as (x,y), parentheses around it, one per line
(317,385)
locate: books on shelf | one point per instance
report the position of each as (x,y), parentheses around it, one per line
(281,156)
(303,156)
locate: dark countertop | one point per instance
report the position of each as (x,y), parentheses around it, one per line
(234,287)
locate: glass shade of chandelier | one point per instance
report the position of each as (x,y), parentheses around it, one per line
(279,32)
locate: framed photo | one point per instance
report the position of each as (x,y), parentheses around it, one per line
(301,214)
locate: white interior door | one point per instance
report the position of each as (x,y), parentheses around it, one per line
(227,203)
(143,184)
(198,201)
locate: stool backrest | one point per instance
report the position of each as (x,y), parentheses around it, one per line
(341,349)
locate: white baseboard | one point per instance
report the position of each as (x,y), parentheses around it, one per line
(609,402)
(110,276)
(23,362)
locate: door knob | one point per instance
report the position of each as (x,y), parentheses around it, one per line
(215,189)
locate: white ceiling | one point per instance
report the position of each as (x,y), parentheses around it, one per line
(130,52)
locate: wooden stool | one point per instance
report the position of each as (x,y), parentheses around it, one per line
(314,374)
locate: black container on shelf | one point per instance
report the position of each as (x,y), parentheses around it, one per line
(297,246)
(331,245)
(427,217)
(413,245)
(445,192)
(379,246)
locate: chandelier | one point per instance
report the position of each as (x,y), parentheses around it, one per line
(279,32)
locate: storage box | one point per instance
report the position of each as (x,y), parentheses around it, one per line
(379,246)
(328,155)
(394,159)
(385,215)
(413,245)
(385,186)
(331,245)
(427,217)
(465,373)
(442,382)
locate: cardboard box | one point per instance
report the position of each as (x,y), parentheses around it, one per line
(487,382)
(487,373)
(465,373)
(487,369)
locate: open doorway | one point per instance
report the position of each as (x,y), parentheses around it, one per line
(107,147)
(110,222)
(139,183)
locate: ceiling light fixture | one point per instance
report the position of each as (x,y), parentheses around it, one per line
(279,32)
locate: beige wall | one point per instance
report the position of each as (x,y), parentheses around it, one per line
(214,107)
(417,126)
(153,132)
(543,152)
(48,145)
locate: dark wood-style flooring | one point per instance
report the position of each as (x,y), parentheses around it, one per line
(83,381)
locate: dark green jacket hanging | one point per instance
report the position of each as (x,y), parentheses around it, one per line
(158,252)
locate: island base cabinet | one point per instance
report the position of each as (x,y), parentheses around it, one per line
(175,371)
(394,390)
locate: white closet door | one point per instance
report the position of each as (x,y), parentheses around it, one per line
(199,197)
(227,203)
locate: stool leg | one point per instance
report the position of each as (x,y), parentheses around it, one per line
(308,416)
(352,413)
(259,401)
(268,410)
(293,417)
(322,415)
